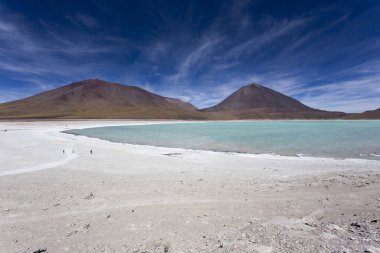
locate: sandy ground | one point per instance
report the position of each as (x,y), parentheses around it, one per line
(129,198)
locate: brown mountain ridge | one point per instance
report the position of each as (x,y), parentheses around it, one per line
(259,102)
(98,99)
(373,114)
(95,98)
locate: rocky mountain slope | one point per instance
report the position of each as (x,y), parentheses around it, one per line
(255,102)
(373,114)
(98,99)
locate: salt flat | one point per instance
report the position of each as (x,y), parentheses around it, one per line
(130,198)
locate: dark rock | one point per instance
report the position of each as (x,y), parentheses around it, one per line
(40,251)
(356,225)
(90,196)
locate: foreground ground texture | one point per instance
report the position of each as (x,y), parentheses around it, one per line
(128,198)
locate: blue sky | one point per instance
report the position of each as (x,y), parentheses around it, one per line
(324,53)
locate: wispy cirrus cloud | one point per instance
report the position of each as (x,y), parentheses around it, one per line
(83,20)
(196,59)
(54,57)
(275,31)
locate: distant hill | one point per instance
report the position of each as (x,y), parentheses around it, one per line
(374,114)
(258,102)
(98,99)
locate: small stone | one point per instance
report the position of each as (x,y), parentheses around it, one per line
(90,196)
(166,247)
(356,225)
(372,249)
(335,227)
(40,251)
(71,233)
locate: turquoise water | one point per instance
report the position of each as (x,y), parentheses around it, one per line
(336,139)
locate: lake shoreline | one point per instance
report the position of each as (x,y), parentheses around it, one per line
(319,139)
(135,198)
